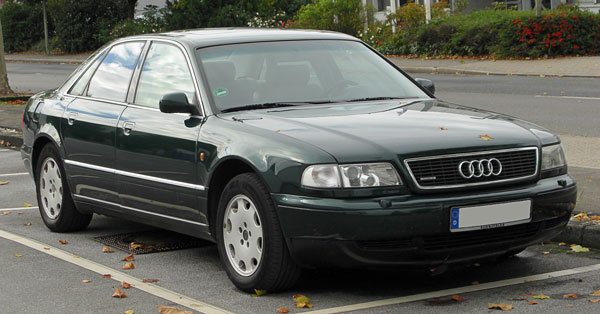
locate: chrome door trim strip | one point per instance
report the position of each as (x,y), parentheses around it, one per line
(138,210)
(437,187)
(136,175)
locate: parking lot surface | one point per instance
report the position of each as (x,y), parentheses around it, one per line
(41,275)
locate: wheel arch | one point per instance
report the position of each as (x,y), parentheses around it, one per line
(39,143)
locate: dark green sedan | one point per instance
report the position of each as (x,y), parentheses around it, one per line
(290,149)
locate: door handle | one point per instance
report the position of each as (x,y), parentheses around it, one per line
(71,117)
(127,127)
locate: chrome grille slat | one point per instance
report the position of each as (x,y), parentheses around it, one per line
(517,164)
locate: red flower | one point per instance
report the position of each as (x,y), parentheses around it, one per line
(575,46)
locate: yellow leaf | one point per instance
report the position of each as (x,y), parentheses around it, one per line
(18,255)
(27,224)
(27,205)
(128,266)
(303,305)
(579,249)
(528,293)
(171,310)
(594,300)
(76,256)
(128,258)
(106,249)
(63,242)
(128,312)
(546,253)
(299,298)
(4,182)
(500,306)
(443,128)
(134,245)
(118,293)
(258,292)
(5,213)
(86,281)
(562,244)
(541,296)
(485,137)
(125,285)
(596,293)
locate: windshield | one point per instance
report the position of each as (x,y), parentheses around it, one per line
(310,71)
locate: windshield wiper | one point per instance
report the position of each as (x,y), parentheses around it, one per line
(262,106)
(375,98)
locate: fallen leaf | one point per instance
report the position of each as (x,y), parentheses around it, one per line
(128,312)
(443,128)
(63,242)
(299,298)
(570,305)
(282,310)
(5,213)
(546,253)
(150,280)
(457,298)
(475,282)
(148,248)
(134,245)
(301,305)
(47,248)
(106,276)
(27,205)
(171,310)
(86,281)
(542,75)
(579,249)
(572,245)
(128,258)
(128,266)
(258,292)
(526,281)
(160,244)
(485,137)
(75,256)
(541,296)
(125,285)
(517,299)
(27,224)
(476,264)
(118,293)
(561,244)
(4,182)
(533,302)
(594,300)
(18,255)
(528,293)
(596,293)
(500,306)
(570,296)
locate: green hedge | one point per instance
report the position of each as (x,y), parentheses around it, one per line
(497,33)
(22,25)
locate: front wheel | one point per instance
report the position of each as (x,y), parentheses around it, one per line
(56,206)
(249,237)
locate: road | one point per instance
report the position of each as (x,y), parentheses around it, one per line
(42,275)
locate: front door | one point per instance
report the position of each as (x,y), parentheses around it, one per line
(156,151)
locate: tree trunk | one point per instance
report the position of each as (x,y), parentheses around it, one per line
(4,87)
(538,7)
(131,4)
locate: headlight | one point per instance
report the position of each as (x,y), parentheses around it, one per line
(351,175)
(553,156)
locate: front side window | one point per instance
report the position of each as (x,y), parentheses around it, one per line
(111,80)
(165,71)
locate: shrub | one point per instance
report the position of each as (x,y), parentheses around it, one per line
(22,25)
(79,23)
(346,16)
(151,22)
(186,14)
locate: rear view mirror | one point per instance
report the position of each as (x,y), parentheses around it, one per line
(428,84)
(176,103)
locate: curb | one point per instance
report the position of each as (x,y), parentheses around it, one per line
(584,234)
(47,61)
(444,70)
(14,137)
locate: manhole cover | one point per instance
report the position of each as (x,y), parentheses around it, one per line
(151,241)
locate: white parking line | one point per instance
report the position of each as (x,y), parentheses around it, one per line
(459,290)
(17,208)
(569,97)
(13,174)
(115,274)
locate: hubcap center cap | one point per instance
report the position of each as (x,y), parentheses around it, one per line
(245,234)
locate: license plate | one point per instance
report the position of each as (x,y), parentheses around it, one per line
(489,216)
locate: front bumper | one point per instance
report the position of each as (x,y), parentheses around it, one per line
(414,230)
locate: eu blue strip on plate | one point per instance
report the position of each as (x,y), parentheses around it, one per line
(454,213)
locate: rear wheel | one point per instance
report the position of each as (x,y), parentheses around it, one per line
(55,203)
(249,237)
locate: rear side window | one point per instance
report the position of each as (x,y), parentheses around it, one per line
(165,71)
(79,87)
(111,80)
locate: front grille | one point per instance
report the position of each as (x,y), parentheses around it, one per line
(442,171)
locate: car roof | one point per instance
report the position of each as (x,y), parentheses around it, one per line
(196,38)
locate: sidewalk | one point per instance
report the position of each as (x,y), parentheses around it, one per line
(569,66)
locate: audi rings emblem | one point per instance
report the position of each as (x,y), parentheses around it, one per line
(480,168)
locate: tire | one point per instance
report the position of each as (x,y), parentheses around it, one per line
(54,196)
(263,260)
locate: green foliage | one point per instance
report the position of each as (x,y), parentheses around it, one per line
(346,16)
(187,14)
(22,25)
(150,22)
(79,23)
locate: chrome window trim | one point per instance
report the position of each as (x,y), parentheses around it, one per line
(438,187)
(139,210)
(136,175)
(151,39)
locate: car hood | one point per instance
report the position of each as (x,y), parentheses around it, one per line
(358,132)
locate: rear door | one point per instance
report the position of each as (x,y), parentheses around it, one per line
(90,122)
(156,151)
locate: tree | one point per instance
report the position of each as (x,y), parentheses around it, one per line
(4,87)
(131,4)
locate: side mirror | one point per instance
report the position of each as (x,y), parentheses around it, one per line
(176,103)
(428,84)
